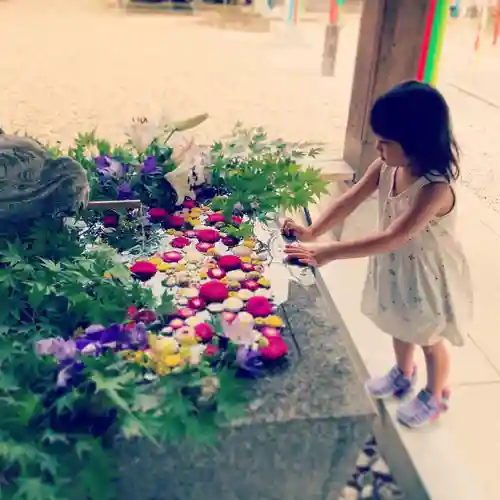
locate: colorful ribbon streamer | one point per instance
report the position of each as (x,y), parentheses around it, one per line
(433,41)
(334,10)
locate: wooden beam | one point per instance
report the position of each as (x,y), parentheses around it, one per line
(390,39)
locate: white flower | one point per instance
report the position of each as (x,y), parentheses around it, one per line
(143,131)
(189,171)
(240,332)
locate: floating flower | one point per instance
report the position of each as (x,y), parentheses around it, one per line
(143,270)
(204,331)
(215,217)
(211,351)
(188,203)
(196,303)
(173,222)
(251,285)
(236,220)
(172,256)
(213,291)
(239,332)
(216,273)
(204,247)
(157,214)
(144,316)
(208,235)
(259,306)
(176,323)
(142,132)
(269,331)
(228,316)
(276,349)
(229,262)
(274,321)
(185,312)
(249,361)
(180,242)
(108,168)
(230,241)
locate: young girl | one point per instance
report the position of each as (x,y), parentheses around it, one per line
(418,288)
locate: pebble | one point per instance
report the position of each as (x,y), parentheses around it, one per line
(215,307)
(242,251)
(236,275)
(233,304)
(244,294)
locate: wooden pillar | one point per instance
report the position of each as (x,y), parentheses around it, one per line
(390,40)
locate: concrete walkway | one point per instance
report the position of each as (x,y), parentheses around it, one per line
(66,67)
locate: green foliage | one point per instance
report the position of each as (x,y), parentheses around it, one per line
(55,443)
(262,176)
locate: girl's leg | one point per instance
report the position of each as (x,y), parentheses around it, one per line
(404,357)
(437,361)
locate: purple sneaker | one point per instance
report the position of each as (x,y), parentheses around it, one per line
(394,384)
(421,410)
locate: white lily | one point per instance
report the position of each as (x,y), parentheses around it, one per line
(143,131)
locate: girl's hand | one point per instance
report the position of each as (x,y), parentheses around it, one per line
(302,233)
(312,255)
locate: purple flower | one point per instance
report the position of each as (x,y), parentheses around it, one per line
(249,361)
(138,335)
(150,166)
(124,191)
(107,167)
(61,349)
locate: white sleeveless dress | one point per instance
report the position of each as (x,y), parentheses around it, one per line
(422,292)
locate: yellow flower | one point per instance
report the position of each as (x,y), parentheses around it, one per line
(203,275)
(164,266)
(264,282)
(180,267)
(256,262)
(156,261)
(263,342)
(171,231)
(212,251)
(260,321)
(232,294)
(195,212)
(274,321)
(172,360)
(185,353)
(246,259)
(162,370)
(249,243)
(194,222)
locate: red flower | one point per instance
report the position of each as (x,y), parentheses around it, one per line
(180,242)
(269,331)
(216,273)
(173,222)
(215,217)
(211,351)
(214,291)
(196,303)
(188,203)
(275,349)
(251,285)
(172,256)
(176,323)
(145,317)
(204,247)
(111,220)
(143,270)
(230,241)
(237,219)
(204,331)
(247,267)
(259,306)
(131,312)
(208,235)
(229,262)
(157,214)
(185,312)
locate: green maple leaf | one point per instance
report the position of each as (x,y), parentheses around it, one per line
(32,488)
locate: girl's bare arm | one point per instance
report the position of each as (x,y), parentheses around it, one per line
(349,201)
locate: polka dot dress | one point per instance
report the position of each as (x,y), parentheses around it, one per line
(422,292)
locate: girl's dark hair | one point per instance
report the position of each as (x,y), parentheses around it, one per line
(416,116)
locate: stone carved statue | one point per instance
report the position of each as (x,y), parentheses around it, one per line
(34,185)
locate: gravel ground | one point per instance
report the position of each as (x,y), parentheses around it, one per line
(67,67)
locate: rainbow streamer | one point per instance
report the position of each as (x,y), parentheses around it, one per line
(335,11)
(433,41)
